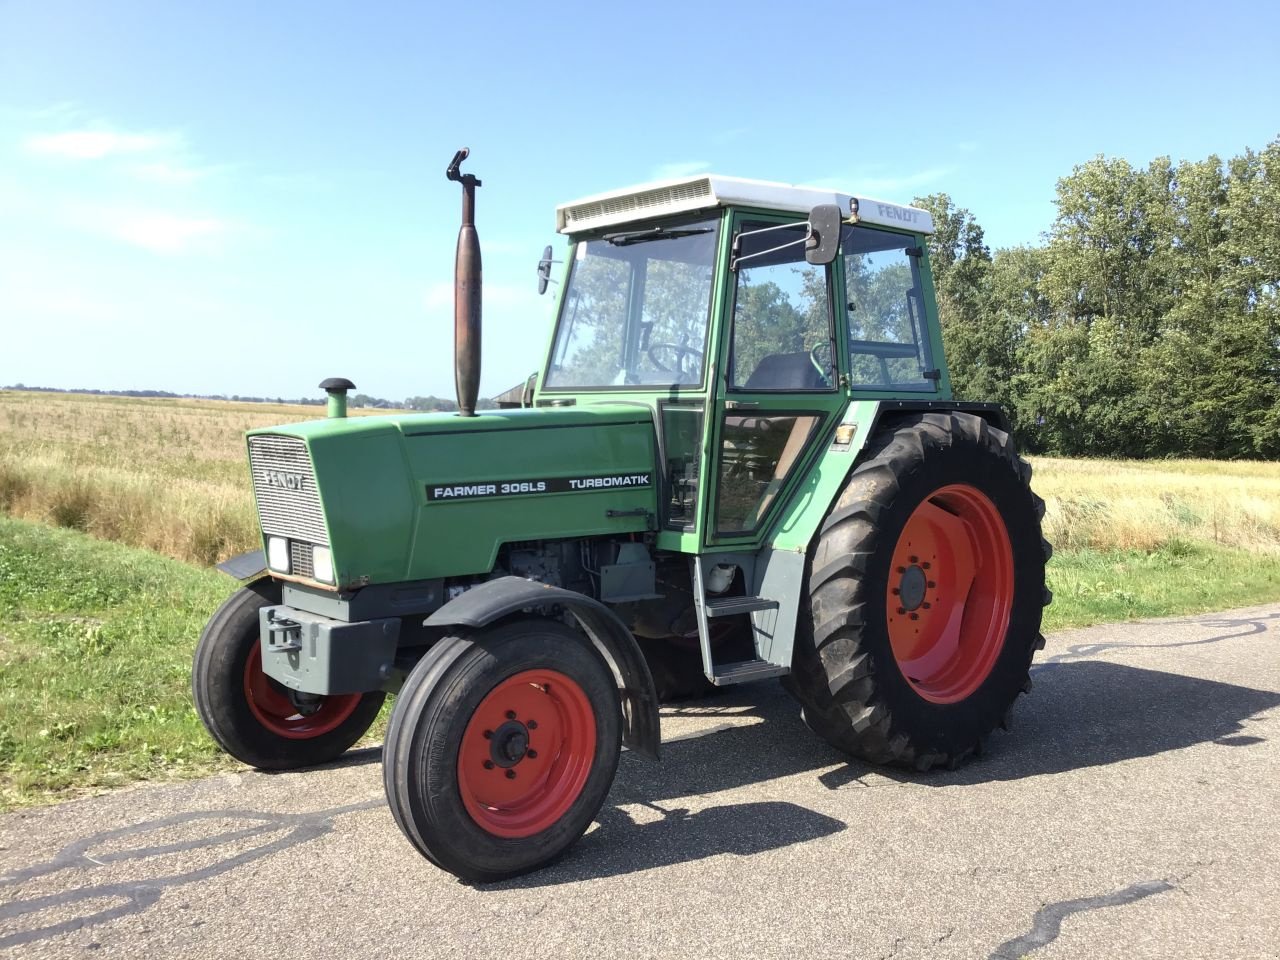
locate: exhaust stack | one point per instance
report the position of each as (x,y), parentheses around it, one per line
(466,293)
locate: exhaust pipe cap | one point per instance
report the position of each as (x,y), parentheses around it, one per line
(336,388)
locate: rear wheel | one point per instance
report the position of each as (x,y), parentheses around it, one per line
(926,587)
(255,719)
(502,747)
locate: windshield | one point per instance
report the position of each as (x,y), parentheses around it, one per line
(635,311)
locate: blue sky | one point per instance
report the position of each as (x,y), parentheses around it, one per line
(249,197)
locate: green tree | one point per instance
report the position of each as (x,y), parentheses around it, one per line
(980,341)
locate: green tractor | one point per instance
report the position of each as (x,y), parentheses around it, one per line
(741,453)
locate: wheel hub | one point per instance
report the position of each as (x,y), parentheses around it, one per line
(950,593)
(509,744)
(911,588)
(515,786)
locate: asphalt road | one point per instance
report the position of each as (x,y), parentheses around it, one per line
(1133,811)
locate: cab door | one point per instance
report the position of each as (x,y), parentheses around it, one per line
(780,389)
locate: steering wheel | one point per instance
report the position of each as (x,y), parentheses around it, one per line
(679,350)
(822,366)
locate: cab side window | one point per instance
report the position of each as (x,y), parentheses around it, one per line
(888,340)
(781,316)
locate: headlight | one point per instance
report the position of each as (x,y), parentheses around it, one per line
(278,554)
(322,563)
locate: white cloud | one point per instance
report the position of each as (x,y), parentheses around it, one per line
(156,230)
(161,158)
(170,172)
(96,144)
(903,183)
(163,232)
(681,168)
(129,197)
(888,186)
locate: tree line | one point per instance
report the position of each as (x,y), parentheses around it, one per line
(1147,322)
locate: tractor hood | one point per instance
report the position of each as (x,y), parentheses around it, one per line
(421,496)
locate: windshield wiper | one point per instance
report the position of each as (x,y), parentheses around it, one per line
(655,233)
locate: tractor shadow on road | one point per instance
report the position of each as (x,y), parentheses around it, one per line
(1081,714)
(1093,713)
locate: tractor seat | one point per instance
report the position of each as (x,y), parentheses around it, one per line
(786,371)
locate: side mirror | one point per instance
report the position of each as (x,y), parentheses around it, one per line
(824,234)
(544,269)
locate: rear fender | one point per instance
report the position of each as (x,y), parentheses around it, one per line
(495,599)
(801,518)
(993,413)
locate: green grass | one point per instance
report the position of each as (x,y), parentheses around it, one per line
(96,641)
(1178,578)
(95,664)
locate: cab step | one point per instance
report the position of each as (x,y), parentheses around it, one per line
(733,606)
(772,621)
(747,670)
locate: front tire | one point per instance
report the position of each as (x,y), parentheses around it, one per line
(501,748)
(926,591)
(251,716)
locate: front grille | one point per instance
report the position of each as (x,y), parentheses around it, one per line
(300,564)
(284,485)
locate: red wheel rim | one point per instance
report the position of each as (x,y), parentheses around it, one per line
(271,706)
(526,753)
(950,593)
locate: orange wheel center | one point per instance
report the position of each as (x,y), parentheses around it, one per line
(526,753)
(271,706)
(950,593)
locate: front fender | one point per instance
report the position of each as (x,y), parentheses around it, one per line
(246,567)
(495,599)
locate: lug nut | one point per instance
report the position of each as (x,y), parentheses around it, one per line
(894,591)
(532,724)
(902,569)
(488,734)
(511,774)
(925,605)
(511,714)
(531,754)
(915,616)
(932,584)
(914,559)
(924,566)
(902,610)
(488,764)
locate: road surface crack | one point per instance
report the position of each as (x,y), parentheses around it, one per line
(1047,924)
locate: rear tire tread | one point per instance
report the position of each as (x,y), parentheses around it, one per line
(834,673)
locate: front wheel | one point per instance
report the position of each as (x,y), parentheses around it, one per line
(254,718)
(501,748)
(926,585)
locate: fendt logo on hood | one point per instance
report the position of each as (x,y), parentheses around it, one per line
(279,478)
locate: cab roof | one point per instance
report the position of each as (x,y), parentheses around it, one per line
(687,194)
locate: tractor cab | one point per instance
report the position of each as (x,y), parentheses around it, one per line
(746,315)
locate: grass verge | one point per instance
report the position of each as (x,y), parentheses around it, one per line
(1091,586)
(96,641)
(95,664)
